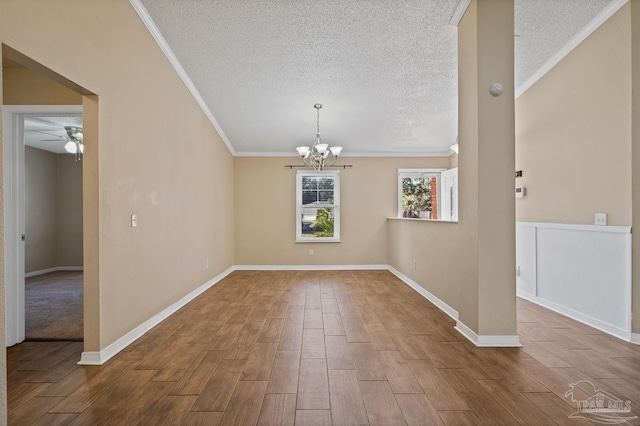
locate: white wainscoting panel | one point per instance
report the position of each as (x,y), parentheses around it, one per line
(581,271)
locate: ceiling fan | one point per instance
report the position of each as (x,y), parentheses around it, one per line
(74,143)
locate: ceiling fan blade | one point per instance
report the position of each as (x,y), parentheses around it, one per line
(47,133)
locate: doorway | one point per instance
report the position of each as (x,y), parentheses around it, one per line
(53,227)
(45,118)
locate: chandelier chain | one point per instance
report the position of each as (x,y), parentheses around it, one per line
(317,107)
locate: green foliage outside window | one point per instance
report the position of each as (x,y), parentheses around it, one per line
(416,196)
(324,220)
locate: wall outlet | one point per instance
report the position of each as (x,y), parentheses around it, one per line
(414,264)
(310,252)
(601,219)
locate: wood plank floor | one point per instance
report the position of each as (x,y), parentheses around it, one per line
(318,348)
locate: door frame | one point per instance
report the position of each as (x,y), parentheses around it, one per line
(449,204)
(14,210)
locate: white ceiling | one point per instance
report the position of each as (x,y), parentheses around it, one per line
(385,70)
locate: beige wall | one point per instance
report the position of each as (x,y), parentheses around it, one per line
(26,87)
(53,210)
(453,161)
(69,210)
(265,211)
(468,190)
(40,209)
(434,247)
(153,153)
(573,131)
(486,169)
(54,182)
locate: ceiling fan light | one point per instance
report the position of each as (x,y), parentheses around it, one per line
(70,147)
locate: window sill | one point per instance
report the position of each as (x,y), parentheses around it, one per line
(422,220)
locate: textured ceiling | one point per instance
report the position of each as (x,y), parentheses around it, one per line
(543,27)
(48,132)
(385,70)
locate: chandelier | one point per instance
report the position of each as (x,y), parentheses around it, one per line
(320,154)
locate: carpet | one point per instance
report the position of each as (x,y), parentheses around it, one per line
(53,308)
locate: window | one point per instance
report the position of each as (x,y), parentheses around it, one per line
(418,193)
(317,206)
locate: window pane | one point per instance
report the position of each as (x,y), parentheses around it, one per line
(325,196)
(317,222)
(325,182)
(309,182)
(309,197)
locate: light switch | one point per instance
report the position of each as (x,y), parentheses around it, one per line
(601,219)
(134,220)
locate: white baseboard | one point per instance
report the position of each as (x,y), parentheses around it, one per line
(54,269)
(580,317)
(99,358)
(635,338)
(425,293)
(90,358)
(488,341)
(310,267)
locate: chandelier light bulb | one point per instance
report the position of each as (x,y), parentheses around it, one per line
(321,148)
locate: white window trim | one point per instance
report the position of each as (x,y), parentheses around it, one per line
(336,207)
(417,172)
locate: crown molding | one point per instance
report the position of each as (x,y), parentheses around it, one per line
(458,13)
(396,154)
(585,32)
(266,154)
(164,46)
(350,154)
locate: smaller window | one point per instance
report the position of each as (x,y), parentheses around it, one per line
(317,206)
(418,193)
